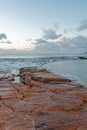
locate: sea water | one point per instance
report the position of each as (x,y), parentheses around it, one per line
(73,66)
(75,70)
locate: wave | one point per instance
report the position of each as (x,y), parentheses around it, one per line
(16,63)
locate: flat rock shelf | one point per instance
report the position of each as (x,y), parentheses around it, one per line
(42,101)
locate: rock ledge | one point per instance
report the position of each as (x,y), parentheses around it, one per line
(42,101)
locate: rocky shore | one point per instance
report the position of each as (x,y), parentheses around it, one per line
(42,101)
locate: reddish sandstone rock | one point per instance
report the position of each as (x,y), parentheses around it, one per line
(42,101)
(82,128)
(82,94)
(16,121)
(41,75)
(59,95)
(49,78)
(7,91)
(13,112)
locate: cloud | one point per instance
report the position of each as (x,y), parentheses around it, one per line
(52,42)
(66,30)
(78,40)
(49,37)
(64,45)
(9,42)
(75,44)
(4,39)
(28,39)
(55,26)
(50,34)
(48,47)
(3,36)
(81,40)
(40,41)
(82,26)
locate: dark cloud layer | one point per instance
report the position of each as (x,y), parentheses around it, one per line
(83,25)
(80,40)
(71,45)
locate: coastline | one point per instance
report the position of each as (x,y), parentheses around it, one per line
(42,100)
(69,66)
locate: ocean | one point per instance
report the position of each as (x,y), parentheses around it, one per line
(73,66)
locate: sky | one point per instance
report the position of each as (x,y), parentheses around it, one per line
(50,26)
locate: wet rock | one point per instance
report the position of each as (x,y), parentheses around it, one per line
(6,76)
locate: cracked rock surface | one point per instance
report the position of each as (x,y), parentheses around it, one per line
(42,101)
